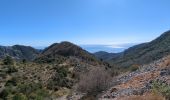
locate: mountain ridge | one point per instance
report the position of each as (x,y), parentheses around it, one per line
(19,52)
(143,53)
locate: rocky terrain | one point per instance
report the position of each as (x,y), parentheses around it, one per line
(140,81)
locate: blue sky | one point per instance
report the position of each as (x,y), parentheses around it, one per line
(42,22)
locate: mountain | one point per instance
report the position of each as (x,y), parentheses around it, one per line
(143,53)
(55,69)
(63,50)
(106,48)
(18,52)
(105,55)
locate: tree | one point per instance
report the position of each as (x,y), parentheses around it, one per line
(24,61)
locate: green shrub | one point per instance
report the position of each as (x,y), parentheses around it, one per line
(6,92)
(134,68)
(59,79)
(20,96)
(8,61)
(12,82)
(24,61)
(32,91)
(39,94)
(29,88)
(161,88)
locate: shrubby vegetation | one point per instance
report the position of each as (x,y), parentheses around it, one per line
(134,67)
(33,91)
(60,79)
(8,60)
(162,89)
(94,81)
(9,64)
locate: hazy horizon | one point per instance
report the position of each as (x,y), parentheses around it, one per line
(92,48)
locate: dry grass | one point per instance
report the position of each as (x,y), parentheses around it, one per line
(62,92)
(166,62)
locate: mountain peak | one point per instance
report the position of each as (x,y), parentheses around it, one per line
(66,49)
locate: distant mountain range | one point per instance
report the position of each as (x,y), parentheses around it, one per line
(138,54)
(115,48)
(61,66)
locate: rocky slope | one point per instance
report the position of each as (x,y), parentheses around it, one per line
(140,81)
(19,52)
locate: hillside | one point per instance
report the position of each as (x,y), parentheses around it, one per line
(52,75)
(18,52)
(65,50)
(143,53)
(138,84)
(105,55)
(67,72)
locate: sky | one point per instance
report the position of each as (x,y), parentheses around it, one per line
(83,22)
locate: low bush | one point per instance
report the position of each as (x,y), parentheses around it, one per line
(8,60)
(161,88)
(134,67)
(94,81)
(20,96)
(59,79)
(32,91)
(12,82)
